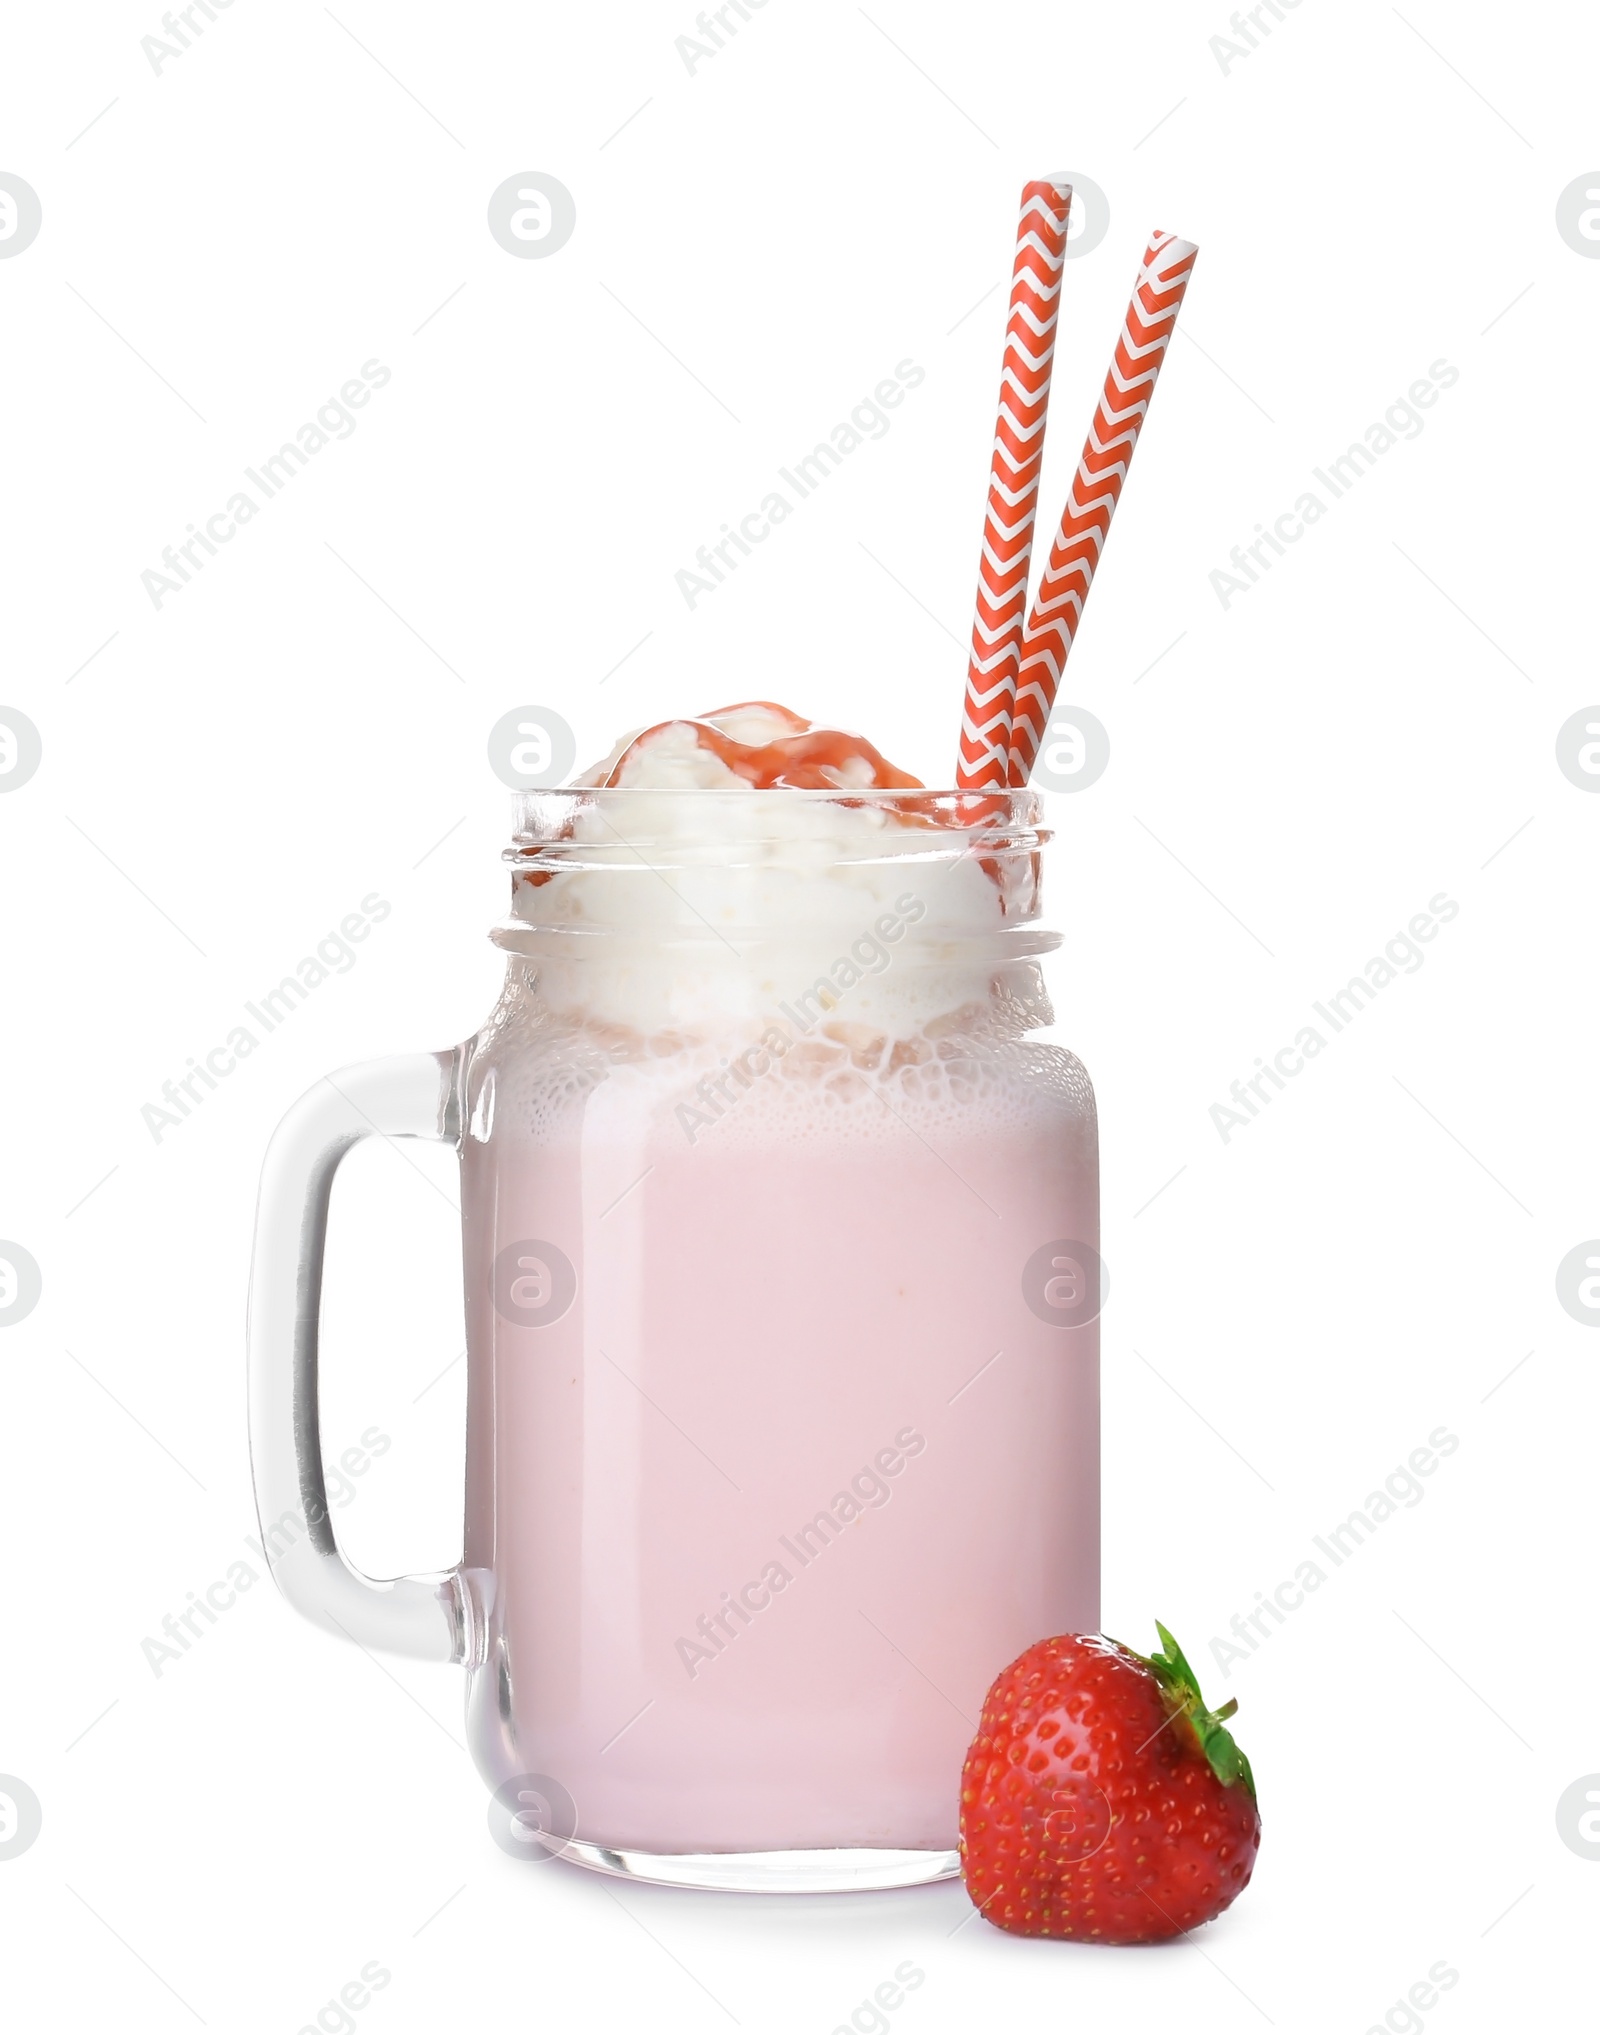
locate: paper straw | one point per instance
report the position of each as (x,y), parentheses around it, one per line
(1003,565)
(1107,454)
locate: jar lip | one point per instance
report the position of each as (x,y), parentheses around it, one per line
(615,856)
(1007,820)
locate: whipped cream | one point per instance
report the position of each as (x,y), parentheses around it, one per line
(725,868)
(756,745)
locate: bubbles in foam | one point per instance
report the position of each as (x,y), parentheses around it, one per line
(942,1098)
(976,1072)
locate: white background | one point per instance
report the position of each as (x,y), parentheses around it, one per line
(226,777)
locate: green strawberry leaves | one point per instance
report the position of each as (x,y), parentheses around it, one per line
(1180,1686)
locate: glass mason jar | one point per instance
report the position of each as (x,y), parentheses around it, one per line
(780,1235)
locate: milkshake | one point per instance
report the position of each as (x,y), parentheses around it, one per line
(780,1233)
(781,1224)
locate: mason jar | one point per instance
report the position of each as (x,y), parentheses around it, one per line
(780,1250)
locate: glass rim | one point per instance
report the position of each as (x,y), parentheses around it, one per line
(631,836)
(1011,821)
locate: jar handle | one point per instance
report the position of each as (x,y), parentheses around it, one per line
(411,1096)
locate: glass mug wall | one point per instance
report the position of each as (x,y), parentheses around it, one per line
(779,1235)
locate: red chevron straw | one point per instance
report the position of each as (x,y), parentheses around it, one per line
(1107,454)
(1003,564)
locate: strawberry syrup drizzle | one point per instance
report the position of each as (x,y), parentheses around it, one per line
(810,759)
(801,761)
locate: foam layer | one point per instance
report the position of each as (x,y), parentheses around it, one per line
(976,1072)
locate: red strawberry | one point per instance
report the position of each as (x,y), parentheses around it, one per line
(1101,1800)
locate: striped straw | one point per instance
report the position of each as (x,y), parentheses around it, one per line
(1107,454)
(1003,566)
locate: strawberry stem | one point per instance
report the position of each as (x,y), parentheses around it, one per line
(1181,1687)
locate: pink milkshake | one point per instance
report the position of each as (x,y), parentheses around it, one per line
(781,1222)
